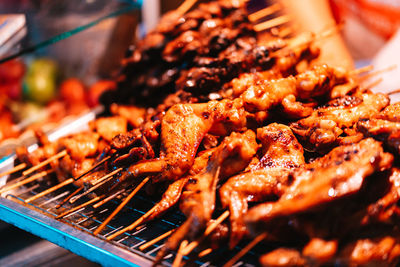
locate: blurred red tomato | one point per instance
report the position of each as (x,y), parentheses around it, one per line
(97,89)
(11,74)
(11,71)
(72,91)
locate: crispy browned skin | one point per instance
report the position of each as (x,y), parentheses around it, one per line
(339,173)
(315,82)
(183,128)
(109,127)
(283,257)
(380,251)
(324,127)
(174,191)
(385,209)
(384,126)
(198,198)
(281,152)
(80,146)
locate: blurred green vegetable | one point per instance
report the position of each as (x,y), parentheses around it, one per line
(40,81)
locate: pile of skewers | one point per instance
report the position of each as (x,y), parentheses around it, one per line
(297,155)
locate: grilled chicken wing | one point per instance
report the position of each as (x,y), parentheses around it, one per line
(198,198)
(267,179)
(339,173)
(326,126)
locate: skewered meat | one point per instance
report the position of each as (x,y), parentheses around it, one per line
(174,190)
(326,126)
(316,82)
(198,198)
(381,250)
(80,146)
(134,115)
(266,180)
(339,173)
(385,127)
(283,257)
(182,130)
(108,127)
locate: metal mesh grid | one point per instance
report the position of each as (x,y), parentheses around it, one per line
(87,219)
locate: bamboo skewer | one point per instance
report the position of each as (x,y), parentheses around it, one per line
(133,225)
(45,162)
(49,190)
(377,72)
(15,169)
(185,6)
(27,180)
(119,208)
(208,231)
(92,168)
(246,249)
(103,179)
(396,91)
(155,240)
(361,70)
(68,197)
(100,203)
(87,203)
(272,23)
(264,12)
(205,252)
(179,254)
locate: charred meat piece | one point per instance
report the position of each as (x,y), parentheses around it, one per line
(266,180)
(199,195)
(339,173)
(327,125)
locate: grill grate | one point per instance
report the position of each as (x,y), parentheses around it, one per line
(87,219)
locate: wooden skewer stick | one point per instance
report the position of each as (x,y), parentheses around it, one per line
(361,70)
(49,190)
(264,12)
(208,231)
(396,91)
(155,240)
(15,169)
(272,23)
(119,208)
(93,167)
(205,252)
(45,162)
(87,203)
(373,84)
(185,6)
(246,249)
(133,225)
(27,180)
(100,203)
(377,72)
(69,196)
(179,255)
(103,179)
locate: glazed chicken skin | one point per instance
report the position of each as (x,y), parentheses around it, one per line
(182,129)
(198,199)
(339,173)
(384,126)
(327,125)
(316,82)
(267,179)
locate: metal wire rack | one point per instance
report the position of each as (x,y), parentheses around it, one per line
(87,219)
